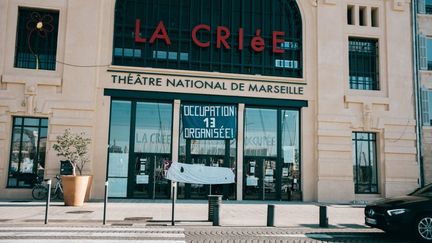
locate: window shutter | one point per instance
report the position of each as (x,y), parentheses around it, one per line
(422,52)
(421,7)
(425,106)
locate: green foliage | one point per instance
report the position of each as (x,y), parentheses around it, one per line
(74,148)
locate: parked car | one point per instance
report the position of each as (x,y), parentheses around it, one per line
(411,213)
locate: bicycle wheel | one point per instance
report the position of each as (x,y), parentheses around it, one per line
(39,192)
(53,194)
(60,195)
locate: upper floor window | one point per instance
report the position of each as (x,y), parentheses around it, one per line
(424,6)
(426,106)
(429,53)
(363,64)
(27,154)
(36,39)
(229,36)
(428,6)
(425,52)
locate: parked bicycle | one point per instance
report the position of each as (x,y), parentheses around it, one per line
(40,190)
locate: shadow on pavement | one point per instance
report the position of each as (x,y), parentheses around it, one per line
(376,236)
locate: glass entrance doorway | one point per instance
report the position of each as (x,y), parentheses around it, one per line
(149,176)
(218,153)
(271,165)
(140,143)
(260,178)
(208,138)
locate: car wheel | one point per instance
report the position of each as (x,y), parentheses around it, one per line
(424,227)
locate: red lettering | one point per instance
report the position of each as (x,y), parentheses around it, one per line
(194,37)
(220,38)
(257,42)
(137,32)
(160,33)
(277,34)
(240,39)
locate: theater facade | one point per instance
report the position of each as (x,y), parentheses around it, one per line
(302,100)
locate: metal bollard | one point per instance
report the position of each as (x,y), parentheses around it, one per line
(48,182)
(216,208)
(270,215)
(323,220)
(105,202)
(173,205)
(212,201)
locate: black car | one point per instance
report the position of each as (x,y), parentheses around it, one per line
(412,213)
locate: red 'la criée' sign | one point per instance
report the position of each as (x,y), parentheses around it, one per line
(223,33)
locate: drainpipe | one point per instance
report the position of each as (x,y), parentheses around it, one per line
(416,81)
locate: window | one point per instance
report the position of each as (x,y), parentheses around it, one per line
(350,14)
(429,53)
(362,16)
(375,17)
(365,162)
(363,64)
(27,154)
(181,52)
(426,106)
(428,6)
(36,40)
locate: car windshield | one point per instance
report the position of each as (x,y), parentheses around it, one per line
(424,191)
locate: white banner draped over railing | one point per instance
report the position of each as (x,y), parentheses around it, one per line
(199,174)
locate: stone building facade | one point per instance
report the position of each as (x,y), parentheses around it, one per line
(322,93)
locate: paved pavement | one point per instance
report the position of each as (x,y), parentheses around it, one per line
(147,212)
(150,221)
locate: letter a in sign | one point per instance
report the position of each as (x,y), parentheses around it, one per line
(159,33)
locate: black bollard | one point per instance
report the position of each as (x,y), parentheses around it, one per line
(270,215)
(105,202)
(323,220)
(173,205)
(216,208)
(48,182)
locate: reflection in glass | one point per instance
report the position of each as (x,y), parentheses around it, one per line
(271,162)
(364,162)
(119,148)
(290,180)
(152,147)
(27,157)
(120,126)
(153,128)
(260,132)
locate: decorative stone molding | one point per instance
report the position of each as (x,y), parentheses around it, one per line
(30,99)
(314,3)
(399,5)
(330,2)
(370,120)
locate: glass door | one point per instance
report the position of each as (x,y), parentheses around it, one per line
(260,178)
(152,147)
(272,158)
(149,177)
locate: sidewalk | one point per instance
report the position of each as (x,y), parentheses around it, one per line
(187,212)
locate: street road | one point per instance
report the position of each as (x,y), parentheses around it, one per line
(181,234)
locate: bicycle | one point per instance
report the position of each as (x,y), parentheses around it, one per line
(40,190)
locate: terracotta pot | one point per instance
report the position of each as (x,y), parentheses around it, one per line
(74,188)
(89,186)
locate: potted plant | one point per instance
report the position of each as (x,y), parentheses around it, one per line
(73,147)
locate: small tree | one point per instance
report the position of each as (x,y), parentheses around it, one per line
(73,147)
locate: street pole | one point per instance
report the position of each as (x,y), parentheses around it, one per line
(48,182)
(173,196)
(105,202)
